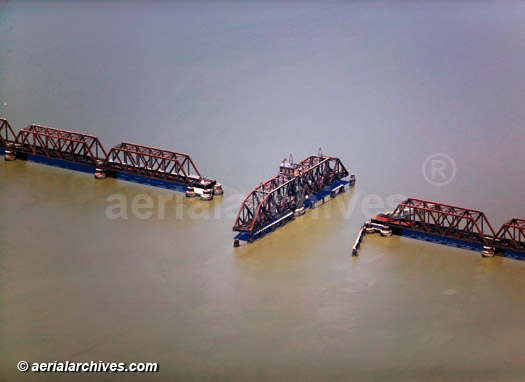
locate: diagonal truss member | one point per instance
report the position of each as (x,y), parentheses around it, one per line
(155,163)
(60,144)
(512,235)
(7,136)
(444,220)
(281,194)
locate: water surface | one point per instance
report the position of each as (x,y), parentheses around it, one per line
(239,86)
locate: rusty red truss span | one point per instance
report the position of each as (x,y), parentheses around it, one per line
(155,163)
(283,193)
(443,219)
(256,210)
(512,235)
(7,136)
(61,144)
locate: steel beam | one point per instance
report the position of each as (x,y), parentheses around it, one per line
(155,163)
(60,144)
(511,235)
(443,219)
(7,136)
(281,194)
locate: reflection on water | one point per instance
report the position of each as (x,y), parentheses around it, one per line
(239,86)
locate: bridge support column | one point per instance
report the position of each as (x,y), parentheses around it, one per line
(487,251)
(10,154)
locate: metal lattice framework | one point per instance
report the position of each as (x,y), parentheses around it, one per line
(155,163)
(7,136)
(511,235)
(61,144)
(281,194)
(443,219)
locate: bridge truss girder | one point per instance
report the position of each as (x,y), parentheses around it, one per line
(512,235)
(7,136)
(279,195)
(152,162)
(60,144)
(444,220)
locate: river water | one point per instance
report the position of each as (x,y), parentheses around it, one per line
(420,100)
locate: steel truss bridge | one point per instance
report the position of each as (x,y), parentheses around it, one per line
(7,136)
(455,223)
(60,144)
(155,163)
(283,193)
(68,146)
